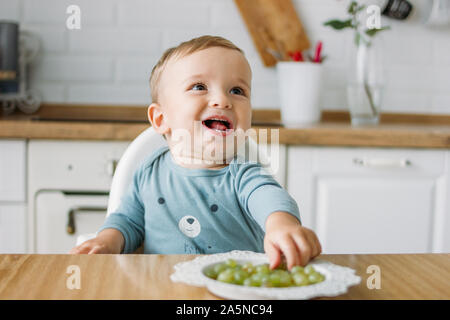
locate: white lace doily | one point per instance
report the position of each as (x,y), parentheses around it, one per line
(337,278)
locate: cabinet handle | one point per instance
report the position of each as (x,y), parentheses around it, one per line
(382,162)
(71,216)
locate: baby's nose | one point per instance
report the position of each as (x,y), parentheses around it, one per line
(190,220)
(221,101)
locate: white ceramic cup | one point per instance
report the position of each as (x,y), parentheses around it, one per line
(299,90)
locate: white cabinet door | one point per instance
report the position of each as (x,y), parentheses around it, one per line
(370,200)
(12,170)
(61,217)
(12,228)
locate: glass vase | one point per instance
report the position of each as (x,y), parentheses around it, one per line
(365,83)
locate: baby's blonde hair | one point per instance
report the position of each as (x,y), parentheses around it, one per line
(182,50)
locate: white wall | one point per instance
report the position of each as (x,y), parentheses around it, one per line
(109,60)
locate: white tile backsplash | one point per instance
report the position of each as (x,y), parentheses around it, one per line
(75,68)
(110,59)
(10,10)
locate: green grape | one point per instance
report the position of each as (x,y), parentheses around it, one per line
(309,269)
(285,279)
(257,279)
(263,268)
(248,267)
(275,279)
(210,273)
(314,277)
(262,276)
(218,268)
(240,276)
(226,276)
(231,263)
(250,282)
(266,282)
(300,279)
(297,269)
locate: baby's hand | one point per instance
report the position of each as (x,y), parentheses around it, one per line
(107,241)
(91,246)
(285,235)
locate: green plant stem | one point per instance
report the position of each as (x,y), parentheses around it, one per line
(370,97)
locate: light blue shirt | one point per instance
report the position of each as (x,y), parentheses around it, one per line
(176,210)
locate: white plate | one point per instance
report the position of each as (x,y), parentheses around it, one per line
(337,278)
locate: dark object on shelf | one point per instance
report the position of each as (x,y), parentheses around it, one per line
(9,57)
(398,9)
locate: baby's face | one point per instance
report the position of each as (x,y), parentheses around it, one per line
(210,84)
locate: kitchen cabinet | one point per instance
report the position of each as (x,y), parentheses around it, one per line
(68,186)
(372,200)
(12,170)
(12,228)
(12,195)
(62,216)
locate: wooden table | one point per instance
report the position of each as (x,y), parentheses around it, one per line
(403,276)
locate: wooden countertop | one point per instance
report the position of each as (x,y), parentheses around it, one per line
(75,122)
(43,277)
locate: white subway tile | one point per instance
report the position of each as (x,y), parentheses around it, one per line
(414,79)
(440,104)
(114,41)
(265,96)
(52,39)
(333,99)
(163,13)
(135,69)
(261,73)
(70,68)
(401,49)
(334,77)
(110,94)
(441,49)
(404,101)
(49,92)
(313,14)
(225,14)
(10,10)
(172,37)
(99,12)
(440,82)
(239,36)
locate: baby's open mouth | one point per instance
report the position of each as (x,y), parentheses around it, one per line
(220,125)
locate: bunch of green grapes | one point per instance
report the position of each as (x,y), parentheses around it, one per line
(261,275)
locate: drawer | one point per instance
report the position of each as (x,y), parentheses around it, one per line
(12,170)
(378,161)
(83,165)
(12,228)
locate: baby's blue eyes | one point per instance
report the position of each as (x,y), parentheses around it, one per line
(200,86)
(237,90)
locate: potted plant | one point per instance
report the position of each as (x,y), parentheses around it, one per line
(364,84)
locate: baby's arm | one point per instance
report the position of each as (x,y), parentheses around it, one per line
(285,235)
(107,241)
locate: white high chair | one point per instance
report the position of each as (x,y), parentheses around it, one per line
(141,147)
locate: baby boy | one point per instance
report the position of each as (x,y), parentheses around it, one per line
(182,199)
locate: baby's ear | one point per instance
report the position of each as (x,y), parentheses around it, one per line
(156,118)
